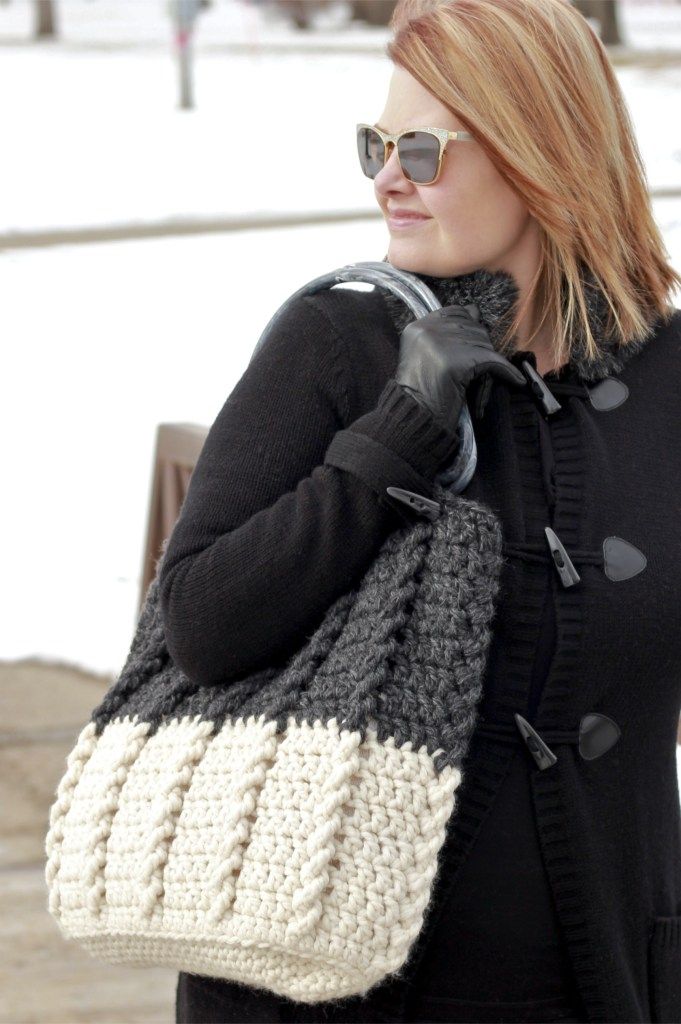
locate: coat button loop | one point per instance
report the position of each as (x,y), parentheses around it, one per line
(597,734)
(562,561)
(542,754)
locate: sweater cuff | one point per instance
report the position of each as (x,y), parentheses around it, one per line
(401,423)
(376,465)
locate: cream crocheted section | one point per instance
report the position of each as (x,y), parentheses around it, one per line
(302,861)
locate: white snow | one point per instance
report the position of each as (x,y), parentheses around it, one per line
(104,341)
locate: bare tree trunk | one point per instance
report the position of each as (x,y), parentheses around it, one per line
(299,11)
(609,19)
(373,12)
(605,12)
(45,19)
(586,7)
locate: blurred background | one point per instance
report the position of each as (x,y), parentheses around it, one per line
(142,252)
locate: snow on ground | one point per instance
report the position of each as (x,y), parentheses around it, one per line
(104,341)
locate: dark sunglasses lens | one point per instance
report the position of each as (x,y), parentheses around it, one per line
(371,151)
(418,153)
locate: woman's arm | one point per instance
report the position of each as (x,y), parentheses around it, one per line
(269,535)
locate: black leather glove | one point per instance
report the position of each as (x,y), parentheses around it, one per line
(441,353)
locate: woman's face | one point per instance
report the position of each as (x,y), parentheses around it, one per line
(474,218)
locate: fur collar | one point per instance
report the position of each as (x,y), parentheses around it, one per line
(496,292)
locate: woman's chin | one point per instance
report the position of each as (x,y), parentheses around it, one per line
(422,259)
(405,250)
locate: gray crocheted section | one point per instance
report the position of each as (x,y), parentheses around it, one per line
(404,653)
(496,294)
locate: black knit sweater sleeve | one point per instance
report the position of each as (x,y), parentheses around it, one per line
(269,534)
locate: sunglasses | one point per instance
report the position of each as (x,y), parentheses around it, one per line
(419,150)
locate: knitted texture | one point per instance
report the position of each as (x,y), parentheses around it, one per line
(284,831)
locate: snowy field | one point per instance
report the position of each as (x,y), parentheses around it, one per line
(104,341)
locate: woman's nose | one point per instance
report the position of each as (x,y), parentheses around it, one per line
(391,169)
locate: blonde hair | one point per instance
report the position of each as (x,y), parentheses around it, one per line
(534,84)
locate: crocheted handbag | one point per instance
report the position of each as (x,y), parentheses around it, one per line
(283,831)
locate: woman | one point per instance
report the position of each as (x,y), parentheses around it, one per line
(559,895)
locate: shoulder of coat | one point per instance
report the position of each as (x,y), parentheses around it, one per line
(347,301)
(357,315)
(663,346)
(668,330)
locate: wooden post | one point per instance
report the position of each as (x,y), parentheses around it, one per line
(45,19)
(178,446)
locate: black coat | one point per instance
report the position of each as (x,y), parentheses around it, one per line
(610,826)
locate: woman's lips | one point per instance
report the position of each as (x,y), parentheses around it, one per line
(412,221)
